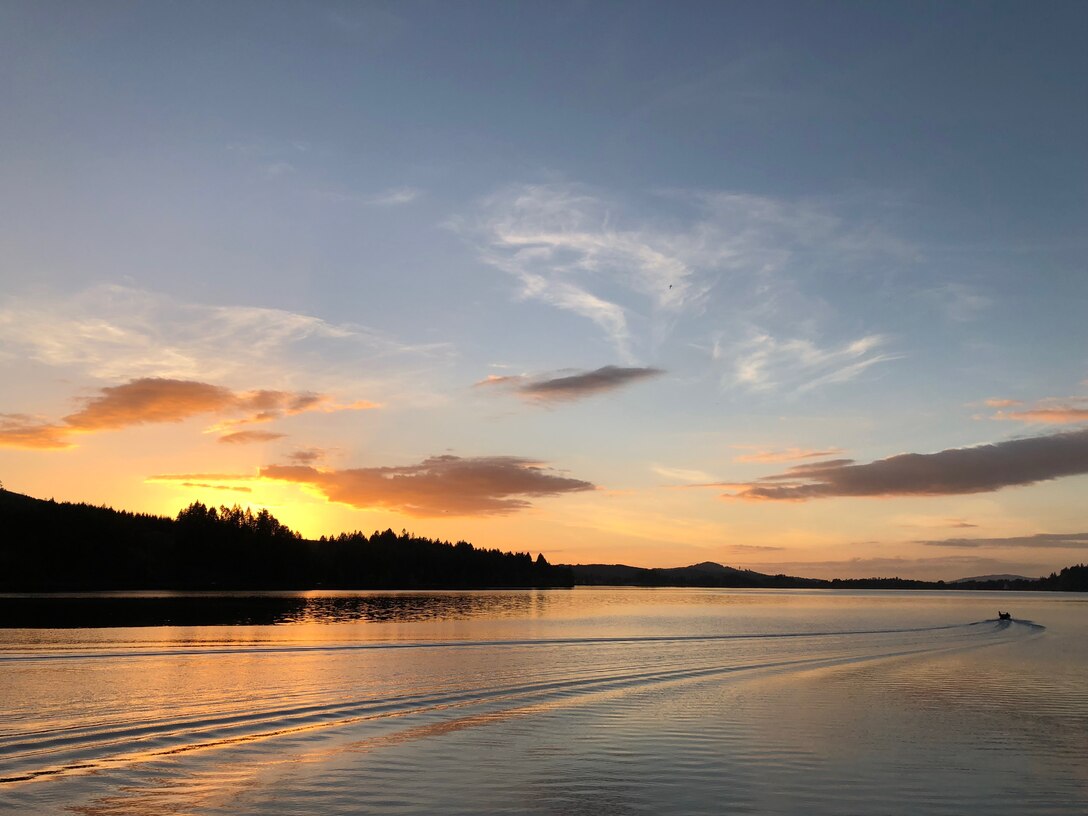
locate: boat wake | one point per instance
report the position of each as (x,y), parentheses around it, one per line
(129,706)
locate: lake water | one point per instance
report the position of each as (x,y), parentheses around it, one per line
(586,701)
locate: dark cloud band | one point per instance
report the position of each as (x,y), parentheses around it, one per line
(1066,541)
(573,386)
(954,471)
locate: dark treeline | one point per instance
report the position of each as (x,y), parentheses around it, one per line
(1070,579)
(50,546)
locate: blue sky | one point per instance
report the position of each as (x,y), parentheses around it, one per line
(778,229)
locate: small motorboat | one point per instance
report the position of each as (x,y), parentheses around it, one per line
(1004,615)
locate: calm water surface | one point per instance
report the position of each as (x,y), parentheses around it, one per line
(595,701)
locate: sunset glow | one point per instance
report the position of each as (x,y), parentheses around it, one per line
(652,299)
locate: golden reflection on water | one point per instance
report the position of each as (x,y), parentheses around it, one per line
(677,693)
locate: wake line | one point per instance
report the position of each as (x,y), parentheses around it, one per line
(475,644)
(68,753)
(365,709)
(368,710)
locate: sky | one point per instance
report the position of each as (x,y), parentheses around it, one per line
(791,286)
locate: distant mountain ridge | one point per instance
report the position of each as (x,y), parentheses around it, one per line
(704,574)
(712,566)
(712,574)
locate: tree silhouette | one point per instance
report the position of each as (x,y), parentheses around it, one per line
(50,546)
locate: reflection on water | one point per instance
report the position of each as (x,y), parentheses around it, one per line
(68,611)
(586,701)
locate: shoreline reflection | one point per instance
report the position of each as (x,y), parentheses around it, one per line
(263,609)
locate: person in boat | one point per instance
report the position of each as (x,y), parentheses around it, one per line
(1004,615)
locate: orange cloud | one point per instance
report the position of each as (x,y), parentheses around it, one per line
(495,379)
(719,485)
(929,523)
(437,486)
(21,431)
(157,400)
(245,437)
(202,477)
(217,487)
(1066,415)
(1050,411)
(150,400)
(787,455)
(978,469)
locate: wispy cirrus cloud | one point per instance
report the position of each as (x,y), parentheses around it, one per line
(1066,541)
(395,197)
(683,474)
(978,469)
(959,302)
(437,486)
(765,363)
(572,386)
(116,333)
(561,243)
(783,455)
(637,269)
(152,400)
